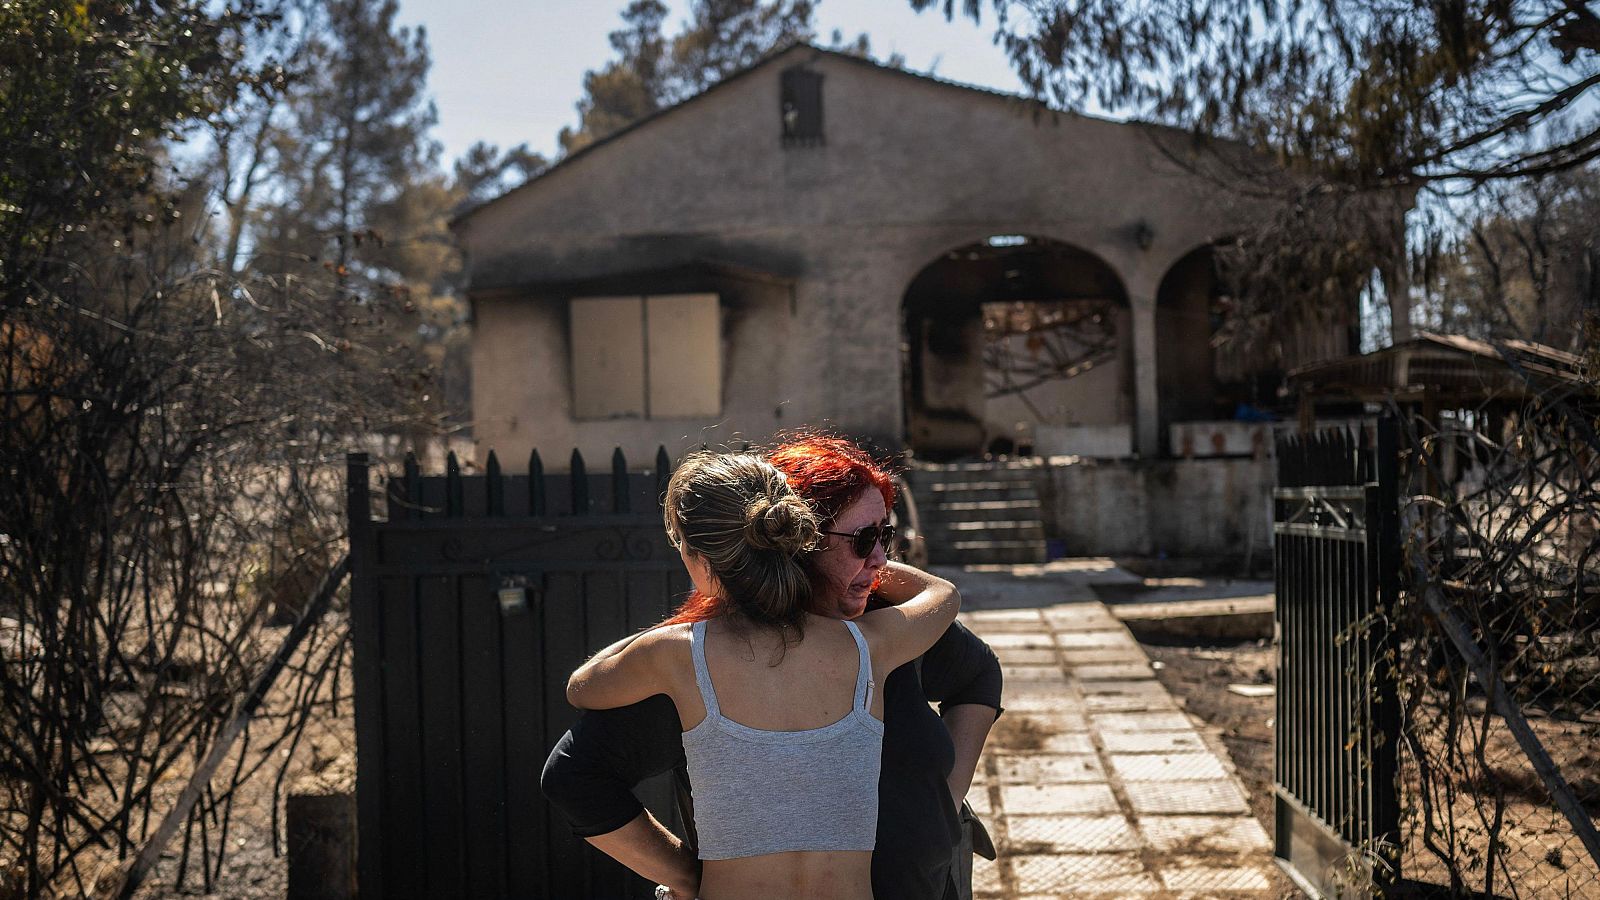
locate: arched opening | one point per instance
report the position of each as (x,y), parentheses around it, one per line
(1187,317)
(1017,344)
(1196,378)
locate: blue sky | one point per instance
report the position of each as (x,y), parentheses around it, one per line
(509,71)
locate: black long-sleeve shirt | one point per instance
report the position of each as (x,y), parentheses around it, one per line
(591,772)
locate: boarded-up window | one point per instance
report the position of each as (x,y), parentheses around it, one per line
(800,104)
(684,349)
(607,357)
(658,356)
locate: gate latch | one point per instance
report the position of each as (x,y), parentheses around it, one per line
(513,594)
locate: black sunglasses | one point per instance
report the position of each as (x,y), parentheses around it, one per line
(863,539)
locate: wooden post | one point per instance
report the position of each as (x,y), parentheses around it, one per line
(321,824)
(366,646)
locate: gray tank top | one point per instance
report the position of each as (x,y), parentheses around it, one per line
(759,791)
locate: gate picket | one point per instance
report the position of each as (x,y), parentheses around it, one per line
(483,740)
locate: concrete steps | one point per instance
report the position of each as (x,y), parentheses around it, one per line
(979,512)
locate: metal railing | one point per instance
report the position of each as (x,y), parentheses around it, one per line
(1336,542)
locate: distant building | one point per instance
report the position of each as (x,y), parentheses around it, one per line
(823,240)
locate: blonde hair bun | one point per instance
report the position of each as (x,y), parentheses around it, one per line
(783,523)
(737,513)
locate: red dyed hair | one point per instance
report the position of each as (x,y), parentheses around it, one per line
(829,473)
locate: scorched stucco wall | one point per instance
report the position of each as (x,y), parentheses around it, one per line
(911,169)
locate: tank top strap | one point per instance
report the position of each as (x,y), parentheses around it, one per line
(864,680)
(702,672)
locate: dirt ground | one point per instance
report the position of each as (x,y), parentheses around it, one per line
(252,869)
(1544,857)
(1197,677)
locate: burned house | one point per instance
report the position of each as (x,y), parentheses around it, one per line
(822,240)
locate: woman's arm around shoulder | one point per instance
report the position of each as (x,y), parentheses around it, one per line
(591,772)
(924,606)
(959,669)
(638,666)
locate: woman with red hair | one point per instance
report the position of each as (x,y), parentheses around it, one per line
(842,485)
(928,759)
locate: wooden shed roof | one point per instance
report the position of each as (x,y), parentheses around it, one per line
(1443,367)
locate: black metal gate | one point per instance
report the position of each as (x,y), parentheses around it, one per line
(1336,539)
(471,603)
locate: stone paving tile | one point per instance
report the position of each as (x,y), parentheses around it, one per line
(1059,692)
(1025,656)
(1043,703)
(1204,834)
(997,616)
(1045,673)
(985,877)
(1068,610)
(1138,892)
(1111,671)
(1151,741)
(1025,689)
(1056,799)
(1149,688)
(1104,656)
(1079,874)
(978,798)
(1124,703)
(1095,640)
(1168,767)
(1060,742)
(1081,696)
(1184,797)
(1142,721)
(1026,640)
(1189,875)
(1076,769)
(1012,626)
(1087,625)
(1070,834)
(1080,615)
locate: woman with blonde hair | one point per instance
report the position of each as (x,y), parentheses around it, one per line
(782,722)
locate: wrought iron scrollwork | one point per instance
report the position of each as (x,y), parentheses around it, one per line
(1337,512)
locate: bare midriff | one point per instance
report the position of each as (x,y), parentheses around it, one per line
(801,875)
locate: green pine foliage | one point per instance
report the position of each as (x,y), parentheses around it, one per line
(652,71)
(92,91)
(1364,93)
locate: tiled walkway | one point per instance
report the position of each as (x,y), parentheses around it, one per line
(1095,783)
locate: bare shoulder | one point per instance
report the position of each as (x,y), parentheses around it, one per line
(665,635)
(875,623)
(667,643)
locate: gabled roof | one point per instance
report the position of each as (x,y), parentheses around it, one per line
(793,49)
